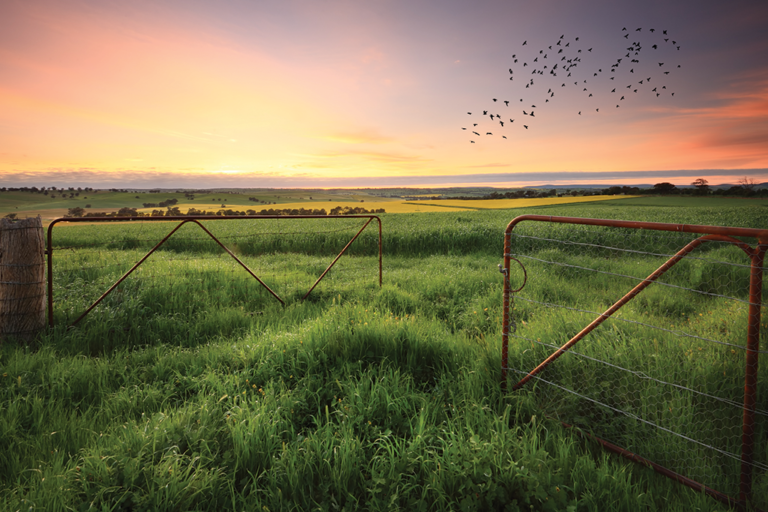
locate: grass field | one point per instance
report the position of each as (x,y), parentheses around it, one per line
(191,391)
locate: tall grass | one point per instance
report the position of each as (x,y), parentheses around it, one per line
(202,393)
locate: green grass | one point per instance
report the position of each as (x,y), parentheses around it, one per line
(688,202)
(197,391)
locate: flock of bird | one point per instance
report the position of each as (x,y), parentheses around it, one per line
(558,68)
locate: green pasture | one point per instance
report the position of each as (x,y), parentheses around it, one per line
(191,388)
(688,202)
(31,204)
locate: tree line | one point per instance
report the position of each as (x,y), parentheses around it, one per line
(174,211)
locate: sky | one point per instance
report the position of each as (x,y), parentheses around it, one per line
(337,93)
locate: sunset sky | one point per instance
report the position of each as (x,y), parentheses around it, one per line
(357,93)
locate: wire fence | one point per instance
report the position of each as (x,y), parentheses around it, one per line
(646,337)
(104,268)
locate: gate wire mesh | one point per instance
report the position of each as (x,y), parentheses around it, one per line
(664,377)
(190,270)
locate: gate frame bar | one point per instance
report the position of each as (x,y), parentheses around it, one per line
(183,219)
(711,233)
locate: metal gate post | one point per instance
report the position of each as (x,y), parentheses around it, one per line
(750,373)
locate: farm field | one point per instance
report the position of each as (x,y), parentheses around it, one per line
(30,204)
(393,206)
(191,388)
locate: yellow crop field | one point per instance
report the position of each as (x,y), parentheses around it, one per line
(446,205)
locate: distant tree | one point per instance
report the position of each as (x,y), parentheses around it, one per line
(127,212)
(665,188)
(702,186)
(11,216)
(747,183)
(75,212)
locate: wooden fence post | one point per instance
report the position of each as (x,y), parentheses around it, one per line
(22,278)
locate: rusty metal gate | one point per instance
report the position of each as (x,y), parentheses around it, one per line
(667,392)
(195,220)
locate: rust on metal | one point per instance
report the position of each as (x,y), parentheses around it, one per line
(618,304)
(337,259)
(724,498)
(183,220)
(711,233)
(117,283)
(750,375)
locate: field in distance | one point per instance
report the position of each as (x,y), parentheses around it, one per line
(56,204)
